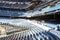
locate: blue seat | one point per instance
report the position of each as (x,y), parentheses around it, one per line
(5,13)
(10,0)
(58,29)
(24,0)
(13,0)
(54,36)
(8,5)
(1,4)
(15,5)
(5,0)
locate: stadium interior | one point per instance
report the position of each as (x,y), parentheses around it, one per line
(29,19)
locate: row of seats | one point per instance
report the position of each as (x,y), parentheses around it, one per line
(52,26)
(17,14)
(46,10)
(53,32)
(10,13)
(21,24)
(16,5)
(34,33)
(26,24)
(43,5)
(56,33)
(8,27)
(18,0)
